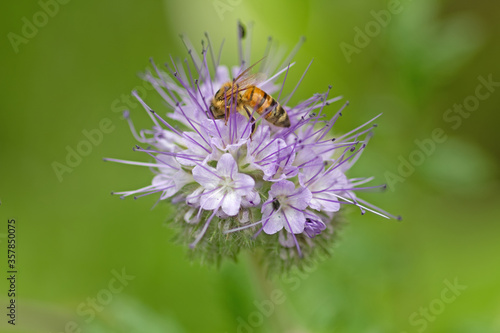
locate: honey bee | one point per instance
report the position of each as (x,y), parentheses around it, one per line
(243,96)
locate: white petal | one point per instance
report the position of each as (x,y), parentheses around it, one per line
(167,164)
(187,161)
(310,170)
(212,200)
(274,223)
(286,239)
(326,204)
(191,217)
(252,199)
(243,184)
(244,216)
(161,180)
(300,198)
(315,204)
(168,141)
(182,178)
(196,144)
(206,176)
(165,183)
(306,156)
(294,220)
(193,199)
(226,167)
(283,187)
(231,203)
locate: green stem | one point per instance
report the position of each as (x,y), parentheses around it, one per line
(280,319)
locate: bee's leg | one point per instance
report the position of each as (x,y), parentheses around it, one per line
(252,120)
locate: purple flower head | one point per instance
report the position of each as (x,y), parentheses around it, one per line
(234,177)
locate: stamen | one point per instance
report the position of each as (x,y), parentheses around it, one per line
(241,34)
(332,122)
(293,235)
(154,83)
(156,158)
(203,231)
(126,115)
(220,52)
(298,84)
(181,73)
(211,52)
(356,135)
(248,38)
(322,105)
(399,218)
(194,58)
(355,159)
(264,135)
(359,127)
(272,78)
(194,127)
(128,193)
(154,165)
(189,72)
(294,51)
(284,80)
(170,101)
(360,181)
(192,97)
(152,192)
(266,53)
(145,106)
(209,79)
(242,228)
(190,157)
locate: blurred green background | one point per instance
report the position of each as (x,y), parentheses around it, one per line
(72,234)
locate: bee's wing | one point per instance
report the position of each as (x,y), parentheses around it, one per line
(246,79)
(245,72)
(250,80)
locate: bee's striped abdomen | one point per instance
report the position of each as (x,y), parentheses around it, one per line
(266,105)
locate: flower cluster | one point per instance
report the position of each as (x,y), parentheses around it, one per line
(242,182)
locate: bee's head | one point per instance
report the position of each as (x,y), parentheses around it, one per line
(224,92)
(220,101)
